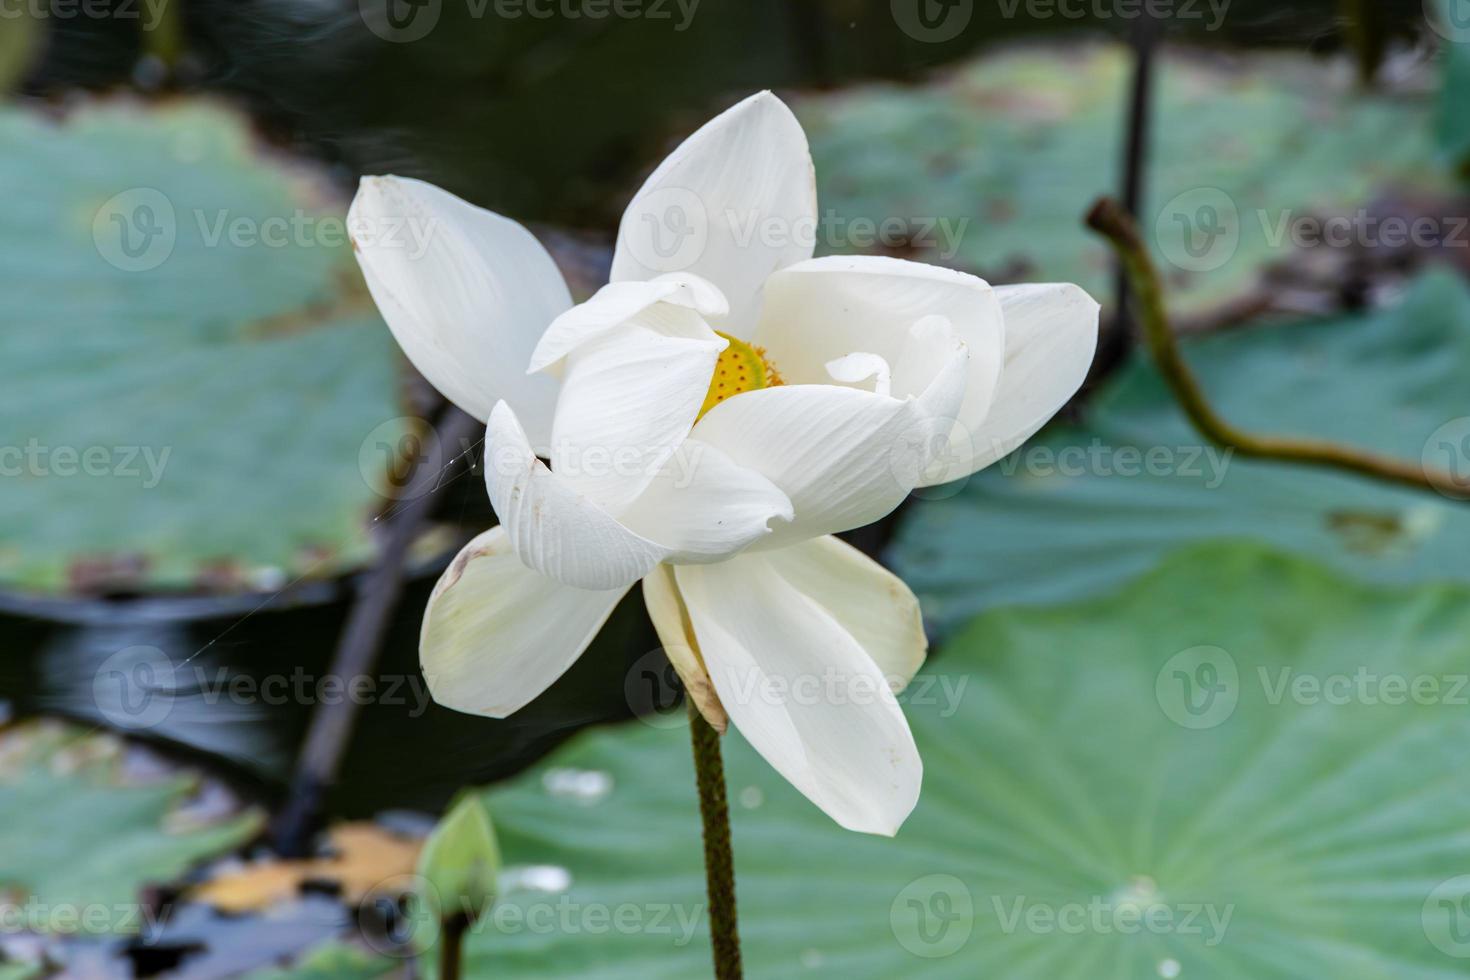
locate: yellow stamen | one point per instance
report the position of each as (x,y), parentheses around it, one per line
(741,367)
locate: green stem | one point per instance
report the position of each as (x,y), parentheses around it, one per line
(1109,219)
(719,861)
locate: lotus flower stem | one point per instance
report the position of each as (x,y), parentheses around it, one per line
(1108,218)
(719,862)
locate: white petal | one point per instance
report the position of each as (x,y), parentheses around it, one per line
(871,603)
(827,308)
(618,303)
(845,457)
(466,292)
(671,622)
(860,367)
(551,527)
(803,692)
(735,202)
(705,507)
(1051,336)
(497,634)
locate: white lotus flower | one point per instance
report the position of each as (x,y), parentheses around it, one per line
(712,417)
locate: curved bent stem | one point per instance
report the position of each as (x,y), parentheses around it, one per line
(1108,219)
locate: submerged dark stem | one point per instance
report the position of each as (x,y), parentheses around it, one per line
(719,859)
(451,946)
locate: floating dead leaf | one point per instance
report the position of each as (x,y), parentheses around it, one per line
(363,859)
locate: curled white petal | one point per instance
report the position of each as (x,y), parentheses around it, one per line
(552,527)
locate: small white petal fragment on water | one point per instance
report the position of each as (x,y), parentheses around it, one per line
(548,878)
(584,786)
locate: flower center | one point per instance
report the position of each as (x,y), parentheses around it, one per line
(741,367)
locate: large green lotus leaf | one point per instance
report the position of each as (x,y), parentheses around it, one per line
(1073,783)
(1083,508)
(994,165)
(184,306)
(84,827)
